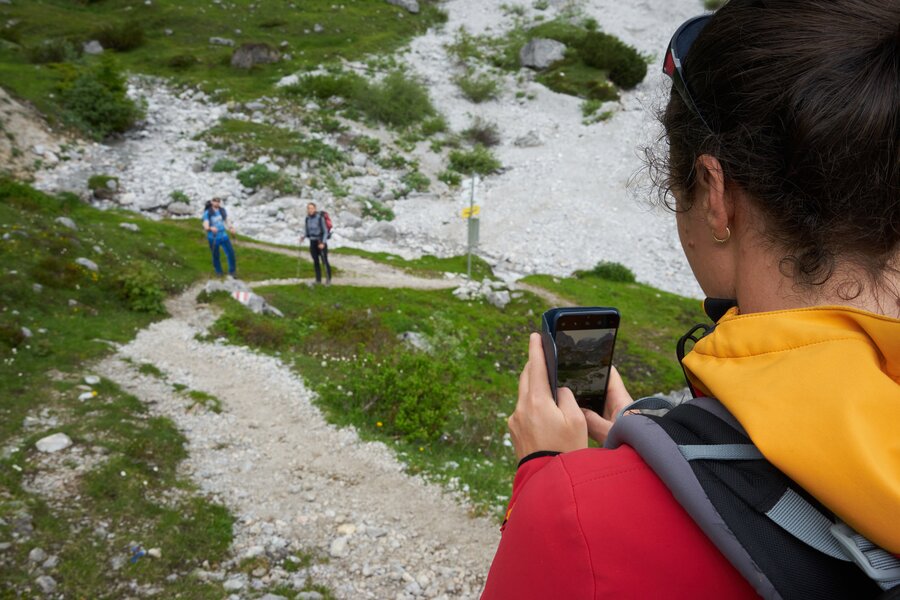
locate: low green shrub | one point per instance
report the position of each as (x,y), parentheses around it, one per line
(625,65)
(398,100)
(122,37)
(368,145)
(413,394)
(140,287)
(378,211)
(610,271)
(225,165)
(451,178)
(479,160)
(433,125)
(179,196)
(326,86)
(259,176)
(478,87)
(95,101)
(53,51)
(99,182)
(482,132)
(416,181)
(180,62)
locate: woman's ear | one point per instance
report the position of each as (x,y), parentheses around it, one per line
(713,199)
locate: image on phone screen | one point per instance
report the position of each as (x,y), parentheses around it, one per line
(583,361)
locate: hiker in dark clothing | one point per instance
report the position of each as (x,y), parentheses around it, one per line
(317,232)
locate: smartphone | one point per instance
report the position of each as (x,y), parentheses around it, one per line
(578,347)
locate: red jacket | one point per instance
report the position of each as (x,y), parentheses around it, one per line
(599,524)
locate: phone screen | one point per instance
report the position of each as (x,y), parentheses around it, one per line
(583,359)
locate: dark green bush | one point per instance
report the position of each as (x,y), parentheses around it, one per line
(122,37)
(98,182)
(478,160)
(451,178)
(259,176)
(95,101)
(180,62)
(433,125)
(398,101)
(368,145)
(610,271)
(416,181)
(625,65)
(53,51)
(140,287)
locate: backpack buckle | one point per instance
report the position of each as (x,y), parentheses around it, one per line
(877,563)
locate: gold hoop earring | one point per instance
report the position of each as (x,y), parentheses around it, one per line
(725,239)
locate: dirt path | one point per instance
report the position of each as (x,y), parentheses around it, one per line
(296,483)
(361,272)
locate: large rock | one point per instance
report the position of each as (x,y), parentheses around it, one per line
(67,222)
(250,55)
(540,53)
(87,264)
(54,443)
(410,5)
(347,219)
(383,230)
(92,47)
(532,139)
(180,209)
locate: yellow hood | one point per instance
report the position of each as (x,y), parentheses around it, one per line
(818,391)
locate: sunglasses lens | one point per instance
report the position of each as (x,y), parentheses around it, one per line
(687,35)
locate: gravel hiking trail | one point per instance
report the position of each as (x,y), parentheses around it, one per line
(294,482)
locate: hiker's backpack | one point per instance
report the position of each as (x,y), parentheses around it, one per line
(781,540)
(327,219)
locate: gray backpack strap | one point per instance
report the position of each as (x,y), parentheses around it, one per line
(806,523)
(663,455)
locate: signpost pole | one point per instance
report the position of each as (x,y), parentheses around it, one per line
(471,216)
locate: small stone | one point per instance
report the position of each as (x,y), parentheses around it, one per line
(259,572)
(233,585)
(93,47)
(168,31)
(117,562)
(339,547)
(26,333)
(91,379)
(318,28)
(347,529)
(51,562)
(54,443)
(86,396)
(37,555)
(154,553)
(46,583)
(273,597)
(220,41)
(130,227)
(309,596)
(67,222)
(254,551)
(37,288)
(87,264)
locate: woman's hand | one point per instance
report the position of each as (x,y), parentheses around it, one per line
(617,398)
(538,423)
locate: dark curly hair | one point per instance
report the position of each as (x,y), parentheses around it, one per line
(803,102)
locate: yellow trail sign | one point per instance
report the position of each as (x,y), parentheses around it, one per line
(472,211)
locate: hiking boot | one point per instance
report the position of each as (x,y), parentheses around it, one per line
(328,281)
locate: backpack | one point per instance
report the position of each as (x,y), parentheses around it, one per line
(327,219)
(781,540)
(208,209)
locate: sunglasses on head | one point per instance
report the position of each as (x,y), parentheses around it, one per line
(681,43)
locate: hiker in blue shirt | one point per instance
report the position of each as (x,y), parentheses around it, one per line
(316,230)
(215,224)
